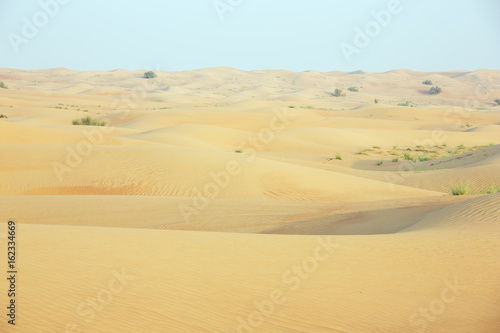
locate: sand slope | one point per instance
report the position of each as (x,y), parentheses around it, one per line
(221,200)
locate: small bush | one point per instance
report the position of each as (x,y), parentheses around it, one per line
(380,162)
(493,189)
(88,121)
(407,103)
(435,90)
(292,106)
(423,158)
(395,160)
(497,101)
(338,156)
(150,75)
(460,189)
(3,116)
(408,156)
(376,101)
(3,85)
(461,146)
(338,92)
(353,89)
(239,150)
(427,82)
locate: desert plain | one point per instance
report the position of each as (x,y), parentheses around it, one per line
(222,200)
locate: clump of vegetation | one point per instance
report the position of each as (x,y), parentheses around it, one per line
(493,189)
(435,90)
(461,146)
(3,85)
(380,162)
(89,121)
(395,160)
(338,93)
(239,150)
(338,156)
(408,156)
(407,103)
(150,75)
(461,189)
(3,116)
(497,101)
(292,106)
(376,101)
(363,152)
(423,158)
(353,89)
(427,82)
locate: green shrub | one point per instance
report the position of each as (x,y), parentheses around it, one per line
(338,92)
(239,150)
(3,85)
(427,82)
(3,116)
(150,75)
(460,189)
(435,90)
(338,156)
(88,121)
(353,89)
(423,158)
(395,160)
(376,101)
(493,189)
(408,156)
(380,162)
(497,101)
(407,103)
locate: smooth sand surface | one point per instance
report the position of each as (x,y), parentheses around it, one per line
(220,200)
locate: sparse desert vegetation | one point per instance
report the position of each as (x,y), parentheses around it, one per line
(435,90)
(461,189)
(3,116)
(88,121)
(353,89)
(150,75)
(3,85)
(338,92)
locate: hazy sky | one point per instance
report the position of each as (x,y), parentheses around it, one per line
(324,35)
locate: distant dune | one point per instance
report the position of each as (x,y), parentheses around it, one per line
(222,200)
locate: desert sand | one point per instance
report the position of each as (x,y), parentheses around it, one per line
(221,200)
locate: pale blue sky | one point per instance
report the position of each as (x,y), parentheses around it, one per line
(427,35)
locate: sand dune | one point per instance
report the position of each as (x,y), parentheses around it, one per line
(220,200)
